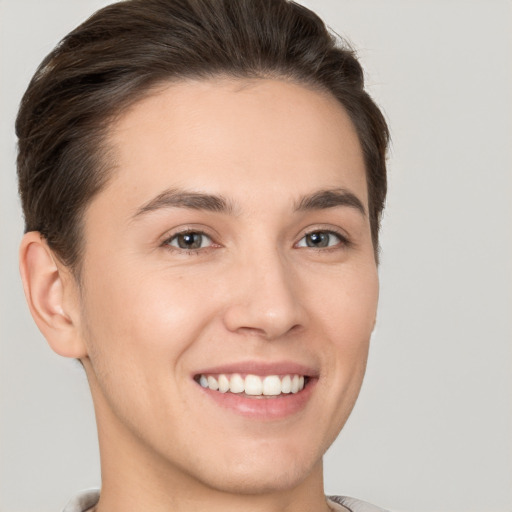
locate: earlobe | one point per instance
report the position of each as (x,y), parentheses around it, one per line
(51,295)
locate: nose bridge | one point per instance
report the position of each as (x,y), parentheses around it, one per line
(265,301)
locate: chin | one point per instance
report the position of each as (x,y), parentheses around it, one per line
(258,482)
(254,474)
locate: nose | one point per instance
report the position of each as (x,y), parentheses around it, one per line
(265,297)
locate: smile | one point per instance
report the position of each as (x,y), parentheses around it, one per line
(253,385)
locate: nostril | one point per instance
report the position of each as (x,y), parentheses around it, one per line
(271,333)
(252,331)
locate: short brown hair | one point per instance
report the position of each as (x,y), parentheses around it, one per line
(117,55)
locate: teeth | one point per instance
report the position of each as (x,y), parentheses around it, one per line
(223,383)
(253,385)
(295,384)
(212,383)
(236,384)
(286,384)
(272,385)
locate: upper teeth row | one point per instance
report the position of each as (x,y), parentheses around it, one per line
(253,384)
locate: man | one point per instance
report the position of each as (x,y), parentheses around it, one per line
(202,184)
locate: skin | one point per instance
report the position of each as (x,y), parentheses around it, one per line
(149,315)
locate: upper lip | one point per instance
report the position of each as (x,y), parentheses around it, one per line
(261,368)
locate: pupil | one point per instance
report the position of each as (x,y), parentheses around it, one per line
(318,239)
(190,240)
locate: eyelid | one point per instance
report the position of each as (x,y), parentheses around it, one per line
(187,228)
(166,238)
(343,237)
(177,235)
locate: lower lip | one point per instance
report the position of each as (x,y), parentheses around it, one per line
(262,407)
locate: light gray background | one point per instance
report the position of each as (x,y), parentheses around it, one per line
(433,427)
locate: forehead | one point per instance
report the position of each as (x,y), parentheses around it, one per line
(233,137)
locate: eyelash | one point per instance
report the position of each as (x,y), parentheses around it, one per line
(167,242)
(344,242)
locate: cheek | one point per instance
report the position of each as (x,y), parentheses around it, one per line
(139,333)
(146,317)
(348,304)
(347,316)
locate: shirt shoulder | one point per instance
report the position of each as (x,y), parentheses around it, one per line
(86,499)
(355,505)
(83,501)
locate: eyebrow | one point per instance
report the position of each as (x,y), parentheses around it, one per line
(331,198)
(177,198)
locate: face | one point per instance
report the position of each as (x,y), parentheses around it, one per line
(230,255)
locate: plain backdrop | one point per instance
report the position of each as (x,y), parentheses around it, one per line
(432,430)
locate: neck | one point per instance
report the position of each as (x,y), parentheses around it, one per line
(115,498)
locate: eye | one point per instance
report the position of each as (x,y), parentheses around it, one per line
(321,239)
(189,240)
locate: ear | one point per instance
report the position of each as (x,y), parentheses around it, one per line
(52,295)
